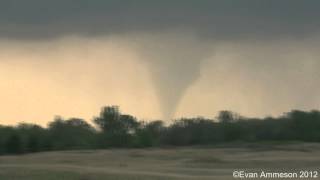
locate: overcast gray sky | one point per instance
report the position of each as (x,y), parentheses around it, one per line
(217,19)
(157,59)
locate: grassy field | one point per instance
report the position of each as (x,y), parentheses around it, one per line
(156,164)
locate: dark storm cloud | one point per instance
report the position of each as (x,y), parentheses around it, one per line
(224,19)
(257,43)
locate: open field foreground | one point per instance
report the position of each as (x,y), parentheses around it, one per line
(154,164)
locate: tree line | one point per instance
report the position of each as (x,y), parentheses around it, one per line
(114,129)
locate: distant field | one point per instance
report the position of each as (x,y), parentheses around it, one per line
(156,164)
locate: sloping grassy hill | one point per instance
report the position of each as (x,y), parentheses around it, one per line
(155,164)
